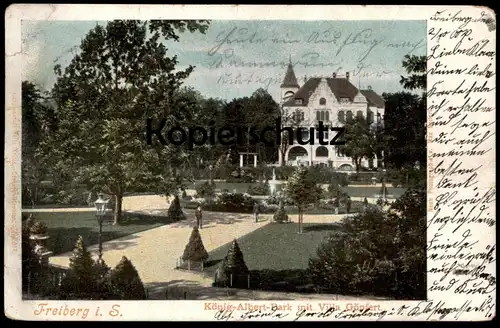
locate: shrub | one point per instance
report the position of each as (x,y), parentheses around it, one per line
(268,208)
(233,269)
(125,281)
(81,278)
(284,172)
(29,260)
(275,200)
(261,189)
(195,250)
(280,216)
(38,228)
(377,252)
(206,189)
(234,203)
(175,211)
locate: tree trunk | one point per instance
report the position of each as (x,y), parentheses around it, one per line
(357,163)
(283,152)
(118,209)
(300,220)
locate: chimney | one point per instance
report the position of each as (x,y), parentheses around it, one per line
(347,75)
(334,75)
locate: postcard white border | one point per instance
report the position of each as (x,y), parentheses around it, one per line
(15,307)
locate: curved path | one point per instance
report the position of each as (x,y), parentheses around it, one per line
(155,252)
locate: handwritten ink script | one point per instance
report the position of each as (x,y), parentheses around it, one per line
(231,46)
(425,310)
(461,134)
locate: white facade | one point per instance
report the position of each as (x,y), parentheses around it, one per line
(331,100)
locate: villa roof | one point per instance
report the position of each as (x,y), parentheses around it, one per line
(340,87)
(373,98)
(290,78)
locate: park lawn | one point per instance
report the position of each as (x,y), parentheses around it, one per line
(277,256)
(65,227)
(277,246)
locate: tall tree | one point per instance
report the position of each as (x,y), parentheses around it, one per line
(121,76)
(302,189)
(261,113)
(404,139)
(38,119)
(416,68)
(359,141)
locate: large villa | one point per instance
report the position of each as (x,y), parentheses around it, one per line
(334,100)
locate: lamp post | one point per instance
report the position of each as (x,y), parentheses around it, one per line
(100,207)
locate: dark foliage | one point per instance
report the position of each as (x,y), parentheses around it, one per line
(233,272)
(195,250)
(280,216)
(175,212)
(376,252)
(125,281)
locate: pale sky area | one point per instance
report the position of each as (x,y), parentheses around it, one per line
(235,58)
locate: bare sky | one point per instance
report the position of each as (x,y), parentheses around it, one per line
(234,58)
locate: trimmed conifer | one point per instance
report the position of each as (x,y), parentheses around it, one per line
(81,262)
(125,281)
(233,272)
(195,250)
(80,282)
(175,211)
(234,262)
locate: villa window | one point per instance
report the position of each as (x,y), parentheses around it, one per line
(359,114)
(349,117)
(322,116)
(298,101)
(322,101)
(370,117)
(341,116)
(298,116)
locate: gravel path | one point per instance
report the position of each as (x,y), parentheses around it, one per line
(155,252)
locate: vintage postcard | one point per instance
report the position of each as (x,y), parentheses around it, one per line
(250,163)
